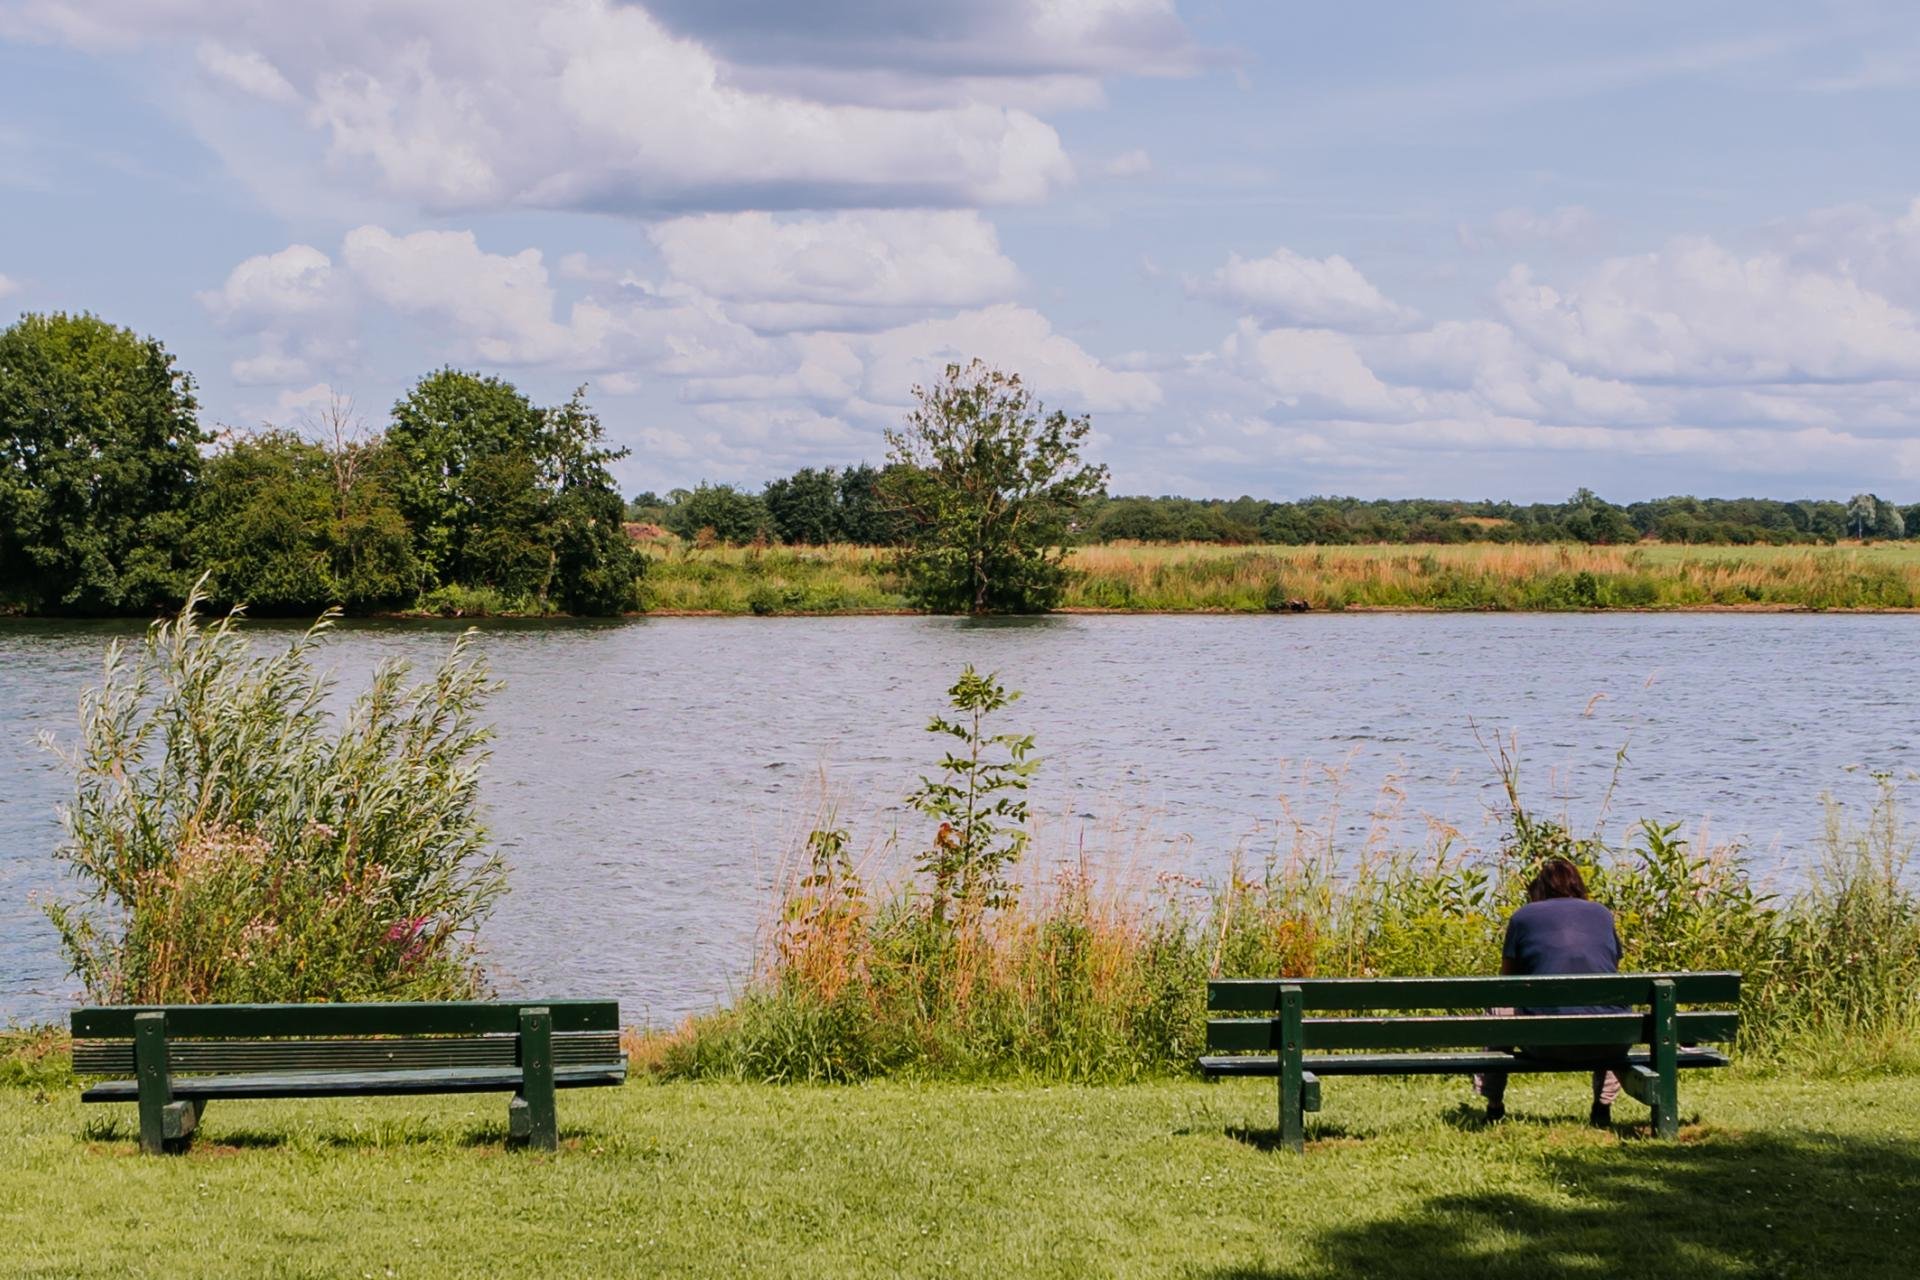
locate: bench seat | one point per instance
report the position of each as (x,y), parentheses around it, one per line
(1433,1064)
(360,1084)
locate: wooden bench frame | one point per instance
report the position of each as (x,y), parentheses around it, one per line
(1282,1034)
(183,1056)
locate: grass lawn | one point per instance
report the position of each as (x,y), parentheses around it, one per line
(1779,1177)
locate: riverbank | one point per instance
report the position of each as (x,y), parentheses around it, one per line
(683,580)
(1205,578)
(1775,1177)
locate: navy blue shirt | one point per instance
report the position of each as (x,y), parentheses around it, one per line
(1562,935)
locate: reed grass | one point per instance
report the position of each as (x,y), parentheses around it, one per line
(1203,577)
(1097,973)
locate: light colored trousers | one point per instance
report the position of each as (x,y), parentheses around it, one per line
(1492,1085)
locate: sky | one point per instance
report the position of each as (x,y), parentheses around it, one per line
(1490,248)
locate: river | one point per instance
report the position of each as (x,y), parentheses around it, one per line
(648,774)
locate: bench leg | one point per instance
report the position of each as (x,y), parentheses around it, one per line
(1666,1062)
(179,1120)
(536,1081)
(1293,1127)
(154,1077)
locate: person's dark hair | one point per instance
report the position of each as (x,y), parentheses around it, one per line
(1556,878)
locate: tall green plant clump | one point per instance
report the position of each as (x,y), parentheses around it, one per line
(236,842)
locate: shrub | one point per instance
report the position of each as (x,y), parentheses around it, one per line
(236,842)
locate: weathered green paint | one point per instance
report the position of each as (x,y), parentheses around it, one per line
(1461,1031)
(1665,1043)
(1293,1128)
(151,1079)
(190,1057)
(468,1047)
(536,1069)
(458,1017)
(1285,1034)
(1432,1064)
(1262,995)
(362,1084)
(1641,1082)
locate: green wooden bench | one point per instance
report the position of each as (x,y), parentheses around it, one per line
(181,1057)
(1273,1036)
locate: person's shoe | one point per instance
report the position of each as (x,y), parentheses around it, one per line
(1601,1117)
(1496,1110)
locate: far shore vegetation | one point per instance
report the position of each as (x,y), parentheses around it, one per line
(685,577)
(471,500)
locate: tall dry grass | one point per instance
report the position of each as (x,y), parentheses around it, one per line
(1097,970)
(1204,577)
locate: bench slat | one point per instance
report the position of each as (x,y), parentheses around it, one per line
(1434,1064)
(1469,1031)
(1262,995)
(188,1057)
(357,1084)
(465,1017)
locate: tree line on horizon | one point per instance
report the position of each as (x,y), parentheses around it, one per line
(474,499)
(817,505)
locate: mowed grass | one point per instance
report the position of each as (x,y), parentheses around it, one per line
(1773,1177)
(1199,577)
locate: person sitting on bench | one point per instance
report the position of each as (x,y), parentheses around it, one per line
(1560,930)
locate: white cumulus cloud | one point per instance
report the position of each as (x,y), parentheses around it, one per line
(587,105)
(848,270)
(1292,289)
(1695,312)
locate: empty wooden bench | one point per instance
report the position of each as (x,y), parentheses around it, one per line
(1273,1036)
(180,1057)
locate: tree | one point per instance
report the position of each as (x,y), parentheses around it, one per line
(986,481)
(99,447)
(593,566)
(273,529)
(726,513)
(864,517)
(459,438)
(805,507)
(1863,514)
(504,494)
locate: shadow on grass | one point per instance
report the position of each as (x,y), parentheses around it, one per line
(1720,1205)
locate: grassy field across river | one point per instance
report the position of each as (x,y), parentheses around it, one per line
(1776,1177)
(1202,577)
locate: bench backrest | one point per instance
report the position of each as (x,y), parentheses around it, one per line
(228,1038)
(1264,1002)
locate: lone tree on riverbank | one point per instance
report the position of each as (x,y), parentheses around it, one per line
(986,481)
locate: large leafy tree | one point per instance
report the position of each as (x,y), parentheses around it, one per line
(987,482)
(805,507)
(99,447)
(593,565)
(503,493)
(718,511)
(455,437)
(284,524)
